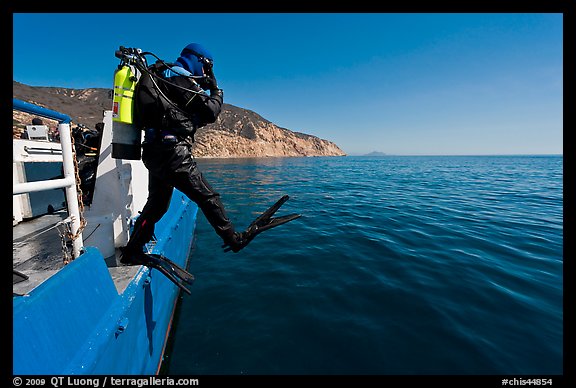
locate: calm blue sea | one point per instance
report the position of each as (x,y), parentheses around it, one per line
(400,265)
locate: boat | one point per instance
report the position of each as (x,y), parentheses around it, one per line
(76,310)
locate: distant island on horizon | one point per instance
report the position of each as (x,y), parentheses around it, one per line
(375,153)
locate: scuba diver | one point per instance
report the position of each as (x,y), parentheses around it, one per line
(170,104)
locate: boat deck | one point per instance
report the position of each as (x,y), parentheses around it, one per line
(37,253)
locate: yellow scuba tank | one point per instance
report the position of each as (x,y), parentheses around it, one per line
(124,85)
(126,138)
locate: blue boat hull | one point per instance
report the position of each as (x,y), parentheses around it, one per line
(76,322)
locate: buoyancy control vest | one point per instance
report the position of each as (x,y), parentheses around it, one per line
(154,105)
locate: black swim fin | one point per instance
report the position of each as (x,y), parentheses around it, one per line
(264,222)
(173,267)
(170,275)
(175,273)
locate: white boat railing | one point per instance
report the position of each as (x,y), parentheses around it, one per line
(68,182)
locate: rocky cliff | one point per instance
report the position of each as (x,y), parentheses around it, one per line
(237,132)
(242,133)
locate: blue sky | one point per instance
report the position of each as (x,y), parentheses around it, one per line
(408,84)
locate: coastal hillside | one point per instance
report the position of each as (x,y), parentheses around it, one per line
(238,132)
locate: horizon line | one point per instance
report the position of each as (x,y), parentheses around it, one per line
(489,154)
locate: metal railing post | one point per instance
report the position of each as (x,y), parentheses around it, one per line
(71,191)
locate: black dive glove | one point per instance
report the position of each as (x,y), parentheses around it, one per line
(217,92)
(208,83)
(212,85)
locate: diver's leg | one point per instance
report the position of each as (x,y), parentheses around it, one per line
(193,184)
(159,195)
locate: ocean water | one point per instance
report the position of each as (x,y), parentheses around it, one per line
(399,265)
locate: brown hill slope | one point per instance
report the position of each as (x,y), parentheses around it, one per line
(238,132)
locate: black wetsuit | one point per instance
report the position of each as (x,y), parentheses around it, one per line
(166,151)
